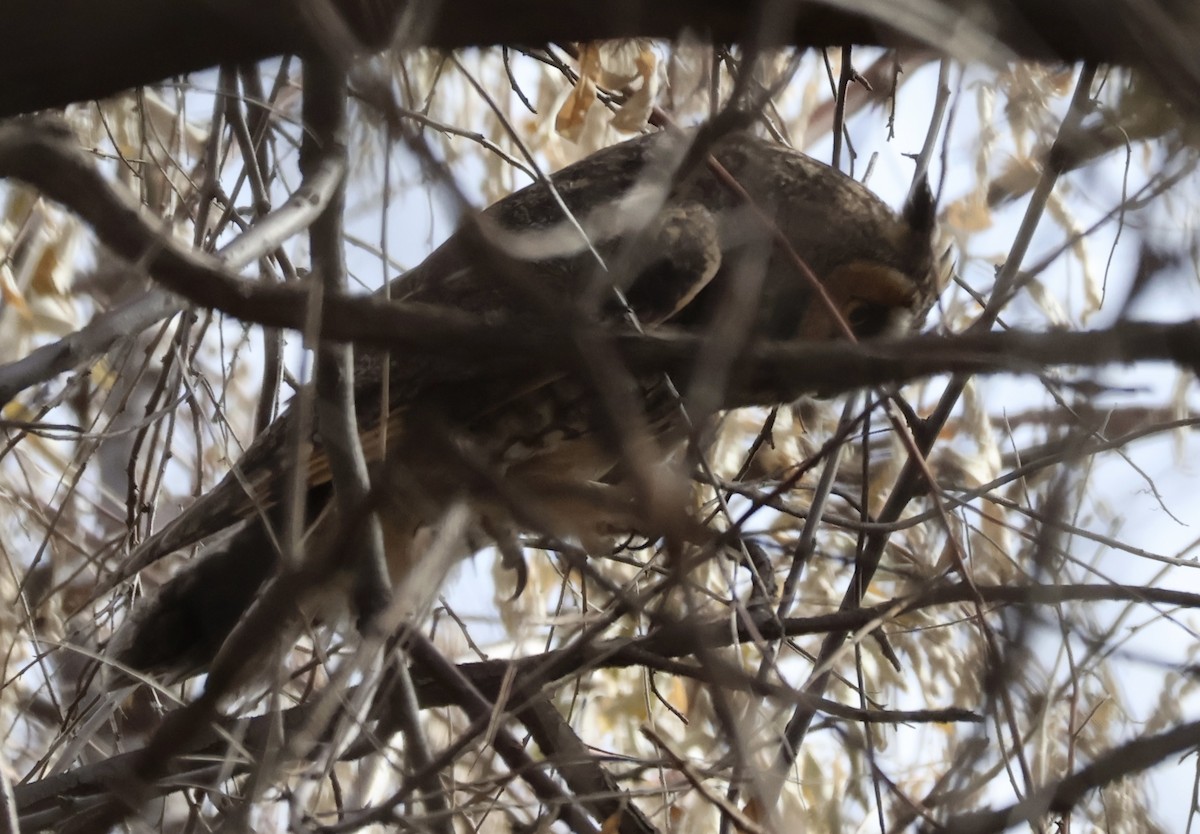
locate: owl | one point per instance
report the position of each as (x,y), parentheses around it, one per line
(729,243)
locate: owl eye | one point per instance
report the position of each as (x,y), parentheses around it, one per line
(867,318)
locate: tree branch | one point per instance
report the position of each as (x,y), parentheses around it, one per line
(75,50)
(47,802)
(766,373)
(1061,796)
(106,328)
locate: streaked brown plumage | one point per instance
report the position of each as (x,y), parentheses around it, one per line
(527,450)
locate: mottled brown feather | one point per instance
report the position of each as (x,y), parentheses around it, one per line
(683,248)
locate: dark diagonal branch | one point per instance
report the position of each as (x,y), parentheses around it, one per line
(106,328)
(1060,797)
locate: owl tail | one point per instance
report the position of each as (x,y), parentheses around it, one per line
(181,629)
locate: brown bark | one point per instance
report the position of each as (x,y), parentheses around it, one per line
(52,54)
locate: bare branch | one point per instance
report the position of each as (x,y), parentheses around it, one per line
(108,327)
(113,45)
(439,684)
(1061,796)
(773,373)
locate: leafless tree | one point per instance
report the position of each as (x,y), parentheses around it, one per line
(930,581)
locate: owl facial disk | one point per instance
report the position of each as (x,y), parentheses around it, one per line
(874,299)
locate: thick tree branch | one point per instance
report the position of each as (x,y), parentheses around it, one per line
(767,373)
(337,420)
(75,50)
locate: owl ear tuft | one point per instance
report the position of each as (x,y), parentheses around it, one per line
(920,212)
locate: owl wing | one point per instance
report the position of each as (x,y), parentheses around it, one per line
(663,255)
(635,224)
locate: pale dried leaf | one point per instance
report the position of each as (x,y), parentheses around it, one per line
(634,114)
